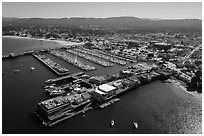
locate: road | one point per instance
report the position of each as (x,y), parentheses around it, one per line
(187,56)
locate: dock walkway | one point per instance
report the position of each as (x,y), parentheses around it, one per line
(55,71)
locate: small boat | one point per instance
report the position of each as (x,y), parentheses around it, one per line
(46,90)
(112,122)
(46,87)
(135,125)
(83,111)
(59,92)
(16,71)
(48,81)
(32,68)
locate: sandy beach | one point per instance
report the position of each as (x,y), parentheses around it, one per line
(64,43)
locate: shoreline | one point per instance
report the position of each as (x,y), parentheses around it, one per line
(179,85)
(62,42)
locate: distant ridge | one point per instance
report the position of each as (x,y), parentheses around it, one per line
(116,23)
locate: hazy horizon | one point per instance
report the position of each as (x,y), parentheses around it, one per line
(101,18)
(150,10)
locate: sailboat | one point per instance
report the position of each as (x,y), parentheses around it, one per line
(135,125)
(112,122)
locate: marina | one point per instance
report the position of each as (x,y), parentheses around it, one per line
(91,58)
(103,56)
(118,57)
(72,61)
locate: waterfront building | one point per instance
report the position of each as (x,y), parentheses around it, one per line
(98,95)
(118,84)
(86,96)
(104,91)
(51,106)
(108,89)
(127,82)
(97,80)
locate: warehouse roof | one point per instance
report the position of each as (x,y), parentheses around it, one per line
(106,87)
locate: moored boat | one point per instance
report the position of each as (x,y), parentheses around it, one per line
(57,92)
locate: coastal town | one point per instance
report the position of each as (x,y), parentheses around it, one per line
(180,52)
(167,57)
(102,67)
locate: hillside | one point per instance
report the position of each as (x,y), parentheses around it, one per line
(113,23)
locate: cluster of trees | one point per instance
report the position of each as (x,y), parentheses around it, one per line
(196,82)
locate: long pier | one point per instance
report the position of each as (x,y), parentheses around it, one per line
(64,77)
(29,52)
(14,55)
(55,71)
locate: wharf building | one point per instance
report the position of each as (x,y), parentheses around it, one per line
(65,106)
(109,90)
(59,108)
(103,92)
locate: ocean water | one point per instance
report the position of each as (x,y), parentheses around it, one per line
(18,45)
(156,107)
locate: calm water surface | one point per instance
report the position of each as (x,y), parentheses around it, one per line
(157,107)
(18,45)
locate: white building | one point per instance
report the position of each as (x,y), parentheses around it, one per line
(104,91)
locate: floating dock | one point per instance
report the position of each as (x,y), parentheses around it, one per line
(102,56)
(50,81)
(91,58)
(72,61)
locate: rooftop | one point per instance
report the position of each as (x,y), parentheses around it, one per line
(99,92)
(106,87)
(162,43)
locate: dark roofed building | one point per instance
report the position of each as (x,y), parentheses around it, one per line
(162,46)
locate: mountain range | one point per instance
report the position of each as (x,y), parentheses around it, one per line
(113,23)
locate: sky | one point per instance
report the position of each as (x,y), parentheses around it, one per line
(162,10)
